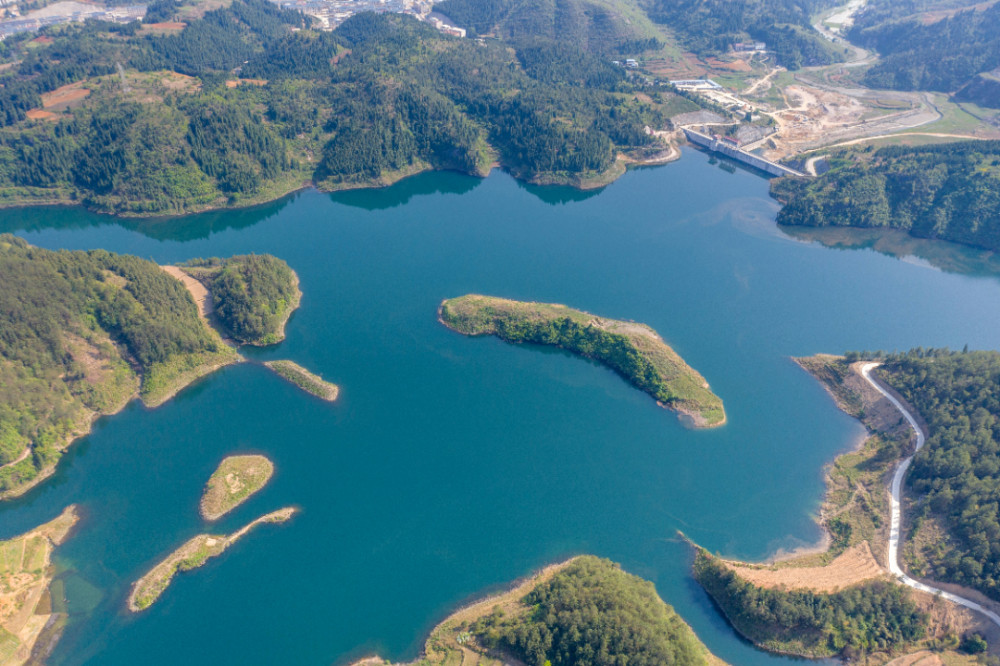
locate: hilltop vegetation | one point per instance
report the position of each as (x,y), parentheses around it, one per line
(872,617)
(947,191)
(955,478)
(711,26)
(253,295)
(80,334)
(381,97)
(592,612)
(916,55)
(632,350)
(585,612)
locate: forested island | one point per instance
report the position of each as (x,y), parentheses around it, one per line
(583,611)
(253,295)
(381,97)
(633,350)
(85,332)
(948,191)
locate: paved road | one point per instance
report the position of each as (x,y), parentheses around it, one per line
(896,519)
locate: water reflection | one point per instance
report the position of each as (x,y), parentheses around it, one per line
(938,254)
(184,228)
(429,182)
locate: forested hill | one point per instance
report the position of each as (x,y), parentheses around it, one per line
(80,334)
(592,612)
(955,478)
(707,27)
(946,191)
(944,55)
(598,26)
(711,26)
(242,105)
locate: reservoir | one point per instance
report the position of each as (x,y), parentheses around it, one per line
(450,466)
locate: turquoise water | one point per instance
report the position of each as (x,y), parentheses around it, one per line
(450,465)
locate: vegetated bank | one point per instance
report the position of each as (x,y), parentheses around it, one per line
(838,600)
(193,554)
(953,484)
(633,350)
(872,617)
(305,380)
(583,611)
(253,295)
(233,482)
(82,334)
(382,97)
(945,192)
(31,617)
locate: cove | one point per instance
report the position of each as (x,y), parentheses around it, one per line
(451,465)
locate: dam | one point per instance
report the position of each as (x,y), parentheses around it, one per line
(722,146)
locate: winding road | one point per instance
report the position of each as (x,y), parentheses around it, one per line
(896,513)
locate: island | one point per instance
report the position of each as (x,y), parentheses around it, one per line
(562,614)
(193,554)
(634,351)
(912,596)
(30,624)
(233,482)
(305,380)
(252,295)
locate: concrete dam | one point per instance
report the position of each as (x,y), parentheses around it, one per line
(718,145)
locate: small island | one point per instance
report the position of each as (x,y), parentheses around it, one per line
(193,554)
(252,295)
(635,351)
(31,621)
(615,613)
(233,482)
(305,380)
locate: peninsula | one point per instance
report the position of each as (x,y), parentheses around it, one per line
(612,611)
(634,351)
(29,623)
(193,554)
(233,482)
(786,606)
(86,332)
(305,380)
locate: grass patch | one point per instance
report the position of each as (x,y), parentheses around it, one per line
(193,554)
(233,482)
(304,379)
(633,350)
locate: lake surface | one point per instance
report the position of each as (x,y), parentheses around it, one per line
(451,465)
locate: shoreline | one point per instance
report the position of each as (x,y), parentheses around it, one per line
(182,381)
(478,607)
(582,183)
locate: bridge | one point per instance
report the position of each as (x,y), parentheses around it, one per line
(722,146)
